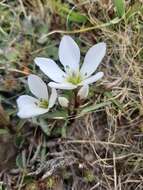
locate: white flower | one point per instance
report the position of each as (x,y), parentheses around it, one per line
(29,106)
(73,75)
(63,101)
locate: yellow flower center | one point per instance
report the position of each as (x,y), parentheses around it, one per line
(74,78)
(43,104)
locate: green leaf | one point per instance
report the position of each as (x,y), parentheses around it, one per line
(44,126)
(2,187)
(61,114)
(12,55)
(74,16)
(3,131)
(64,130)
(19,140)
(120,7)
(93,107)
(19,161)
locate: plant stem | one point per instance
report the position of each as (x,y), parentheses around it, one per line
(73,112)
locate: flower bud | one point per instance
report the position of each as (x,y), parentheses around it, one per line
(63,102)
(83,92)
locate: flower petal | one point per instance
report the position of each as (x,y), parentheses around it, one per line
(64,102)
(28,108)
(92,79)
(38,87)
(50,68)
(83,92)
(53,98)
(69,53)
(25,100)
(66,86)
(31,111)
(93,58)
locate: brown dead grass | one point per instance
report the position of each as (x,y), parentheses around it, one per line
(103,149)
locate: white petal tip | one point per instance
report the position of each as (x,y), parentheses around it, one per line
(53,98)
(21,115)
(37,59)
(101,74)
(102,45)
(32,77)
(69,53)
(37,86)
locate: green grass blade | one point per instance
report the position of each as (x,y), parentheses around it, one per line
(63,10)
(93,108)
(120,7)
